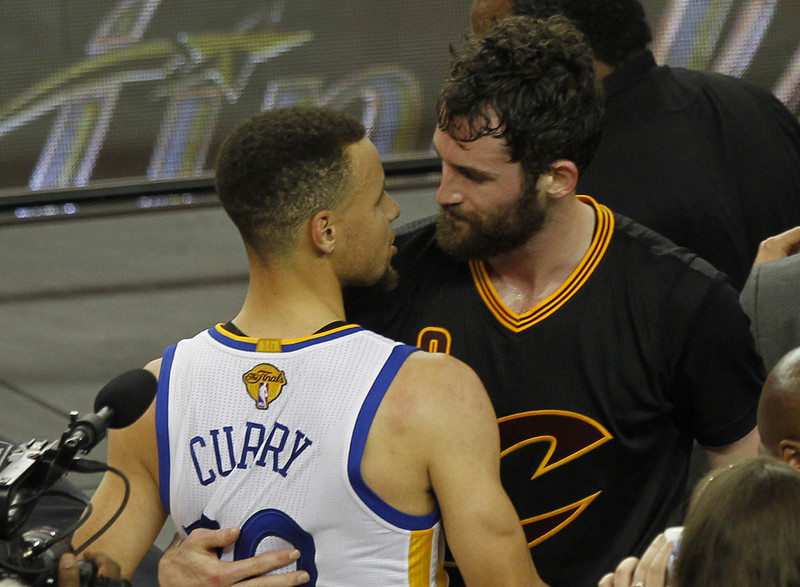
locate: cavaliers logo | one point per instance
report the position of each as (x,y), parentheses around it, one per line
(264,383)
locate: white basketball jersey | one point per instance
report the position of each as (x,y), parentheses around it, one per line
(267,435)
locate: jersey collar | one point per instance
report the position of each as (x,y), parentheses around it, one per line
(604,228)
(276,345)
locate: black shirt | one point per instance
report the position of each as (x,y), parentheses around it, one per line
(709,161)
(599,389)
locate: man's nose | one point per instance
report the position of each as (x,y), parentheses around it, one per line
(448,193)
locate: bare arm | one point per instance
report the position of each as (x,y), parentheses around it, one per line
(134,451)
(459,430)
(743,448)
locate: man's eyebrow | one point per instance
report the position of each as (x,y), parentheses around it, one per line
(473,171)
(465,168)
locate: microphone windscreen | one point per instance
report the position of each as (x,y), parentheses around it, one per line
(128,395)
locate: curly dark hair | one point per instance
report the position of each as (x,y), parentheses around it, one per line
(615,29)
(532,83)
(278,168)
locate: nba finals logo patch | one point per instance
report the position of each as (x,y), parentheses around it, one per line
(264,384)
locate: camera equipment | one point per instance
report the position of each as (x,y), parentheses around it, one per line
(29,471)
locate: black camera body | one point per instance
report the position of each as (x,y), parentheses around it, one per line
(30,471)
(38,570)
(29,556)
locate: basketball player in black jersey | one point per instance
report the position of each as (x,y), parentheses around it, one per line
(605,348)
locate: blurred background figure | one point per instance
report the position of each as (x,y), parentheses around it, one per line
(779,410)
(771,296)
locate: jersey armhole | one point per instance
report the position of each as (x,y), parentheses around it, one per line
(360,432)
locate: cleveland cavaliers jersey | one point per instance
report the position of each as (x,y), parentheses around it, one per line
(599,389)
(267,435)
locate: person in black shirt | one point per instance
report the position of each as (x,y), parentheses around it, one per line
(709,161)
(604,347)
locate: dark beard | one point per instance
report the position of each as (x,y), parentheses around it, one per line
(507,231)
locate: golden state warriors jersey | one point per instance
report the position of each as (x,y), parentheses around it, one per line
(267,435)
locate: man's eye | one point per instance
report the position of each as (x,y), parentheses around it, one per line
(472,176)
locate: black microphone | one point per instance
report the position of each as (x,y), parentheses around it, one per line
(119,403)
(127,396)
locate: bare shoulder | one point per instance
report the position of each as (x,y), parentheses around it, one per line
(154,366)
(440,372)
(440,386)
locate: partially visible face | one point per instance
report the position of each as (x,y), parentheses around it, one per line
(486,208)
(485,12)
(365,223)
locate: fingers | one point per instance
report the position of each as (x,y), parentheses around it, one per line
(206,539)
(287,580)
(264,563)
(69,574)
(623,576)
(778,246)
(650,570)
(658,555)
(106,566)
(271,561)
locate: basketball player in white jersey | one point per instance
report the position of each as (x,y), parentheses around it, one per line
(302,430)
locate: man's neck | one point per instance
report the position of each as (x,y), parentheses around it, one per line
(289,303)
(525,277)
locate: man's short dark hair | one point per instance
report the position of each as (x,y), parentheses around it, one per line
(537,78)
(615,29)
(280,167)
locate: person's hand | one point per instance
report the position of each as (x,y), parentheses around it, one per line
(650,571)
(194,562)
(69,572)
(778,246)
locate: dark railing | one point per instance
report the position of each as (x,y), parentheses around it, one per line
(135,196)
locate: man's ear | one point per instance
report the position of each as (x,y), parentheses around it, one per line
(323,231)
(789,452)
(561,180)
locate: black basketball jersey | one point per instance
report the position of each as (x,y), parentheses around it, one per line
(599,389)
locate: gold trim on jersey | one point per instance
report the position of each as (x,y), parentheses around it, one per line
(430,337)
(547,464)
(519,322)
(275,345)
(420,553)
(576,509)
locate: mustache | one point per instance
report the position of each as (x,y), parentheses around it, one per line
(453,211)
